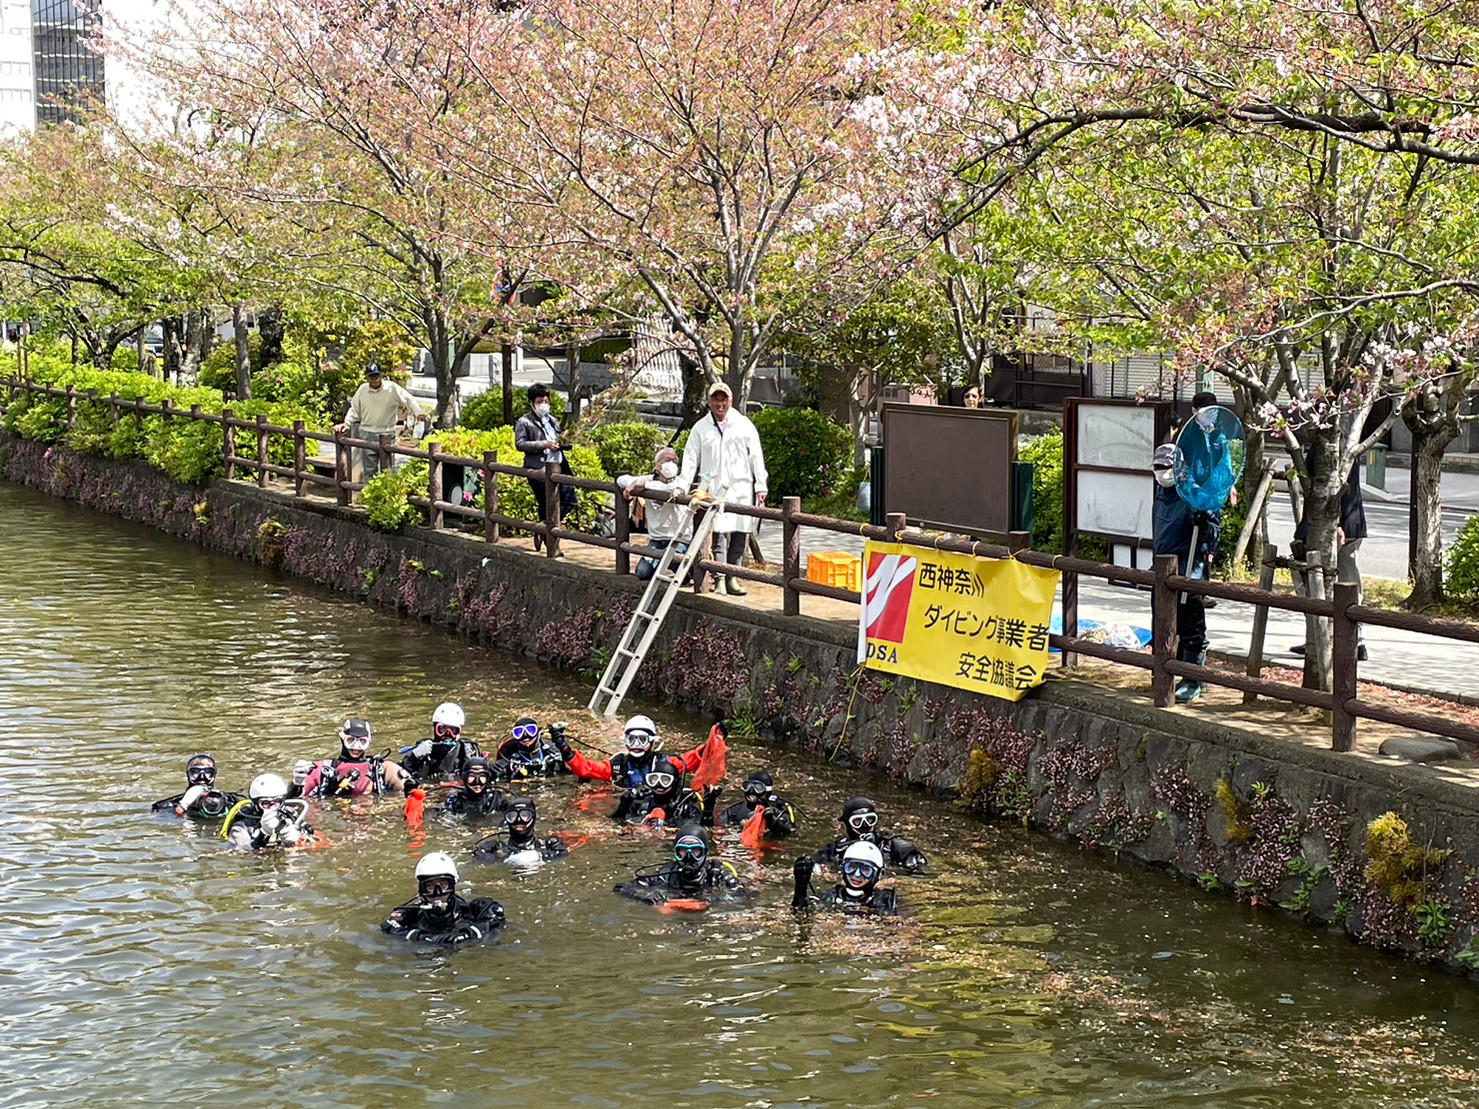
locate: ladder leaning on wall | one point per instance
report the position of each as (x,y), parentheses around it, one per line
(636,641)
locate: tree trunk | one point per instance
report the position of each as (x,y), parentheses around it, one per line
(1322,510)
(695,390)
(243,353)
(171,326)
(444,370)
(1252,474)
(270,326)
(1432,418)
(573,391)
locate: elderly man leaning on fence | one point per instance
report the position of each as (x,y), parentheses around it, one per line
(723,453)
(374,408)
(666,522)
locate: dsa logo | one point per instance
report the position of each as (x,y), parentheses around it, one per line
(886,592)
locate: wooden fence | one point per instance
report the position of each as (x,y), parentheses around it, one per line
(1342,703)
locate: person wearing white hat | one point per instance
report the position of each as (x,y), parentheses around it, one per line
(723,455)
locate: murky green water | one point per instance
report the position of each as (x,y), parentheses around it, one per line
(141,962)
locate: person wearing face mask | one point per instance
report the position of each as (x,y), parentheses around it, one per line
(438,915)
(691,875)
(859,822)
(858,892)
(667,523)
(723,455)
(374,408)
(538,436)
(519,846)
(527,753)
(201,799)
(477,797)
(1173,523)
(356,772)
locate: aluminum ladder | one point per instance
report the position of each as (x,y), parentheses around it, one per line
(636,641)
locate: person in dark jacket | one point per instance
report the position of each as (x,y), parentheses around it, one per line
(779,815)
(444,756)
(438,915)
(527,754)
(1174,522)
(858,892)
(519,846)
(201,799)
(692,874)
(477,797)
(538,436)
(1348,538)
(860,825)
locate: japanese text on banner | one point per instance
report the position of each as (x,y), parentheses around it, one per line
(972,623)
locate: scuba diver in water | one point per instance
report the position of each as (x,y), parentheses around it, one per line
(438,915)
(201,799)
(691,875)
(268,818)
(477,797)
(860,825)
(643,747)
(858,892)
(661,796)
(520,846)
(445,755)
(527,754)
(355,772)
(779,816)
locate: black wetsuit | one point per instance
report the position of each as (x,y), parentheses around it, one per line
(897,851)
(490,801)
(671,881)
(462,921)
(779,818)
(514,760)
(445,763)
(213,804)
(495,849)
(882,901)
(679,807)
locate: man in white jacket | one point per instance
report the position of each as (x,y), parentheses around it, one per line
(374,407)
(723,454)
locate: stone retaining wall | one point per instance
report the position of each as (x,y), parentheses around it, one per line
(1273,822)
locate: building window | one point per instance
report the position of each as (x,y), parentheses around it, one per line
(69,72)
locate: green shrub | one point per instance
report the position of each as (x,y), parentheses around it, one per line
(485,411)
(628,447)
(384,499)
(218,368)
(1045,452)
(515,498)
(805,453)
(1462,573)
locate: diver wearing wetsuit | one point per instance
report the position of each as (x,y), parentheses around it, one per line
(643,747)
(438,915)
(759,793)
(201,799)
(527,754)
(445,755)
(662,792)
(268,818)
(356,772)
(520,845)
(860,825)
(477,797)
(858,892)
(691,875)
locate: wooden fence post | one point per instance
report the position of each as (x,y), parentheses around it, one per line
(623,534)
(790,556)
(113,416)
(382,448)
(228,443)
(1343,666)
(895,523)
(71,406)
(262,457)
(300,456)
(1260,621)
(341,468)
(435,514)
(1163,632)
(551,510)
(166,411)
(490,496)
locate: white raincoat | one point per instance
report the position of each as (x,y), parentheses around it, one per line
(729,463)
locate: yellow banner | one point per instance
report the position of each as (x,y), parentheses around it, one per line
(972,623)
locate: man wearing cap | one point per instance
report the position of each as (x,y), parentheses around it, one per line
(723,455)
(1173,522)
(374,408)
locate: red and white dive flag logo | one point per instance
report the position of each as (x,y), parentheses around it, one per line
(887,588)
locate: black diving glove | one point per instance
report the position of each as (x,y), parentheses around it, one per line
(802,874)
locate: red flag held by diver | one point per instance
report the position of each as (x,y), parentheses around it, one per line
(754,828)
(711,761)
(682,905)
(656,816)
(415,807)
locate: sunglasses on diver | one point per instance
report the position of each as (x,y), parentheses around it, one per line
(526,731)
(689,851)
(857,868)
(863,821)
(446,731)
(200,775)
(660,779)
(436,887)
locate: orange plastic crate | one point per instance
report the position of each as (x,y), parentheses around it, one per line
(835,568)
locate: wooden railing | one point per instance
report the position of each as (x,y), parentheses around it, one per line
(1342,703)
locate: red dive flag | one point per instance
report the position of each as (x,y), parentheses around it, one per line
(415,807)
(754,828)
(711,761)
